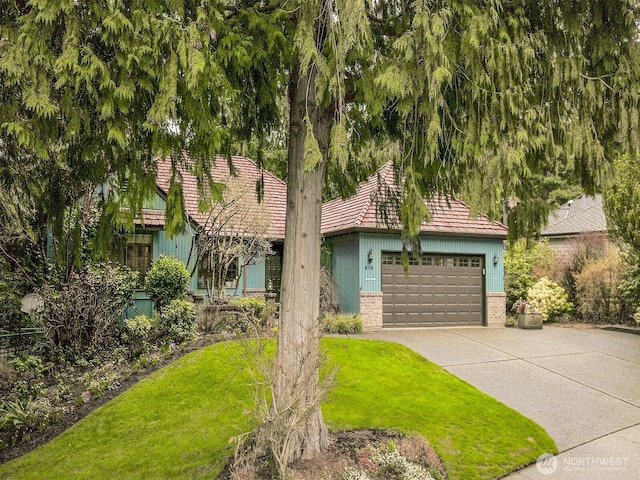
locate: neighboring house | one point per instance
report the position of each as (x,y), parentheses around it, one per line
(457,279)
(575,222)
(150,240)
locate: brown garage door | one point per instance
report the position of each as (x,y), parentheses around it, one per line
(437,290)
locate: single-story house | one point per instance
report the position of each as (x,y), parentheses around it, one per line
(150,240)
(575,222)
(457,278)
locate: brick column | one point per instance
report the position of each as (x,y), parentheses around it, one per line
(496,309)
(371,310)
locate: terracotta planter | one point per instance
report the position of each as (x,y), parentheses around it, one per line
(530,321)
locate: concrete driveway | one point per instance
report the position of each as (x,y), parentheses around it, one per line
(581,385)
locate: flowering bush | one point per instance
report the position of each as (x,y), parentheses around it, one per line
(178,321)
(389,464)
(549,299)
(136,332)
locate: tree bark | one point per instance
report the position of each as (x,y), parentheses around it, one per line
(297,361)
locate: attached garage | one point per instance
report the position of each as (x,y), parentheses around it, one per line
(458,278)
(436,290)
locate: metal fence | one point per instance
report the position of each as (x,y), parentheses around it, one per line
(19,341)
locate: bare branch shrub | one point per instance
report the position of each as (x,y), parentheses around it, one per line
(233,234)
(598,297)
(329,301)
(83,311)
(579,252)
(282,418)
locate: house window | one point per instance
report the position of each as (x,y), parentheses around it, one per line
(204,272)
(136,253)
(207,276)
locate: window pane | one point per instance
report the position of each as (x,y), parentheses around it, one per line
(137,255)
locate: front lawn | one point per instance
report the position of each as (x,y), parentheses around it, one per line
(177,422)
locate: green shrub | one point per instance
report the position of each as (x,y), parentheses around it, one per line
(511,321)
(598,298)
(178,321)
(629,285)
(549,299)
(21,416)
(30,365)
(341,323)
(520,260)
(166,280)
(257,310)
(136,332)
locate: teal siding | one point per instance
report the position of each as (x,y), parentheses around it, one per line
(141,305)
(353,272)
(255,276)
(371,280)
(179,247)
(344,268)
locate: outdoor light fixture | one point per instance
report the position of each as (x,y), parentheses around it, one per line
(495,260)
(370,255)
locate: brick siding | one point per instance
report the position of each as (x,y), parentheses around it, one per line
(496,308)
(371,310)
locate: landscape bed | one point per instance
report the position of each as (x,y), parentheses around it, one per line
(177,422)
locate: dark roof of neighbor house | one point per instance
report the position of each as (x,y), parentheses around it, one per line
(360,212)
(248,174)
(584,214)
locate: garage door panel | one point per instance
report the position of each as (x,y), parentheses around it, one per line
(441,290)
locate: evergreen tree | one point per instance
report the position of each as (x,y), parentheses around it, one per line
(489,91)
(622,201)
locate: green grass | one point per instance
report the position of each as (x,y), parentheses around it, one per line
(177,422)
(382,384)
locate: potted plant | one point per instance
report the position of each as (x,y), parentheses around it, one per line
(527,317)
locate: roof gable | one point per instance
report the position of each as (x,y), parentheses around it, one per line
(449,216)
(247,176)
(584,214)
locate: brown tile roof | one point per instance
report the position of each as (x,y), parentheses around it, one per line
(151,217)
(248,173)
(361,212)
(584,214)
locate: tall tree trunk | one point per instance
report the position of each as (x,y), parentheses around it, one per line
(297,362)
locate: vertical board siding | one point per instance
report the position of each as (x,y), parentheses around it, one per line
(344,268)
(370,275)
(178,247)
(141,305)
(255,276)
